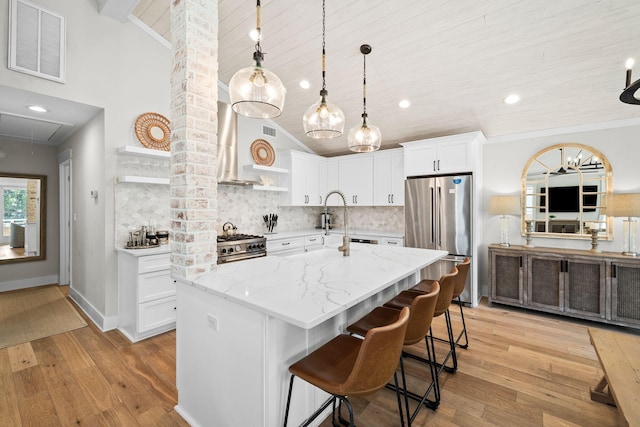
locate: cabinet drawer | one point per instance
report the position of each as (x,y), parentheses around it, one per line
(150,263)
(312,240)
(274,246)
(152,286)
(393,241)
(156,313)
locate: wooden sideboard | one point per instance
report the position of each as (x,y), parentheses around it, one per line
(604,287)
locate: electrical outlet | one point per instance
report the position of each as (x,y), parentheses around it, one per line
(212,322)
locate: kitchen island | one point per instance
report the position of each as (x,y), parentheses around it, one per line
(240,327)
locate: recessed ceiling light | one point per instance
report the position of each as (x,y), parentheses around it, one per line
(304,84)
(37,108)
(512,99)
(404,103)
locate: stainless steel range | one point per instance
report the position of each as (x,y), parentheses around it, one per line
(240,246)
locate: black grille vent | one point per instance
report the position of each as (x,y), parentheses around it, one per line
(266,130)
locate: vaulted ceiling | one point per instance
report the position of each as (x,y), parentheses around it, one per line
(455,61)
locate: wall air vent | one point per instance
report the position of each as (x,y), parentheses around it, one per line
(36,41)
(266,130)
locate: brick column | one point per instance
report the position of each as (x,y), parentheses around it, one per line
(194,123)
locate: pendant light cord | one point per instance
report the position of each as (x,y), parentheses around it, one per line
(324,86)
(258,55)
(364,90)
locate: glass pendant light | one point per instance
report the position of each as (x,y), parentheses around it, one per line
(323,120)
(255,91)
(364,137)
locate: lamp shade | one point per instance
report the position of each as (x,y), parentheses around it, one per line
(257,92)
(627,204)
(364,138)
(323,120)
(504,205)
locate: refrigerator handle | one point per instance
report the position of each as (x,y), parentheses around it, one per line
(432,235)
(439,214)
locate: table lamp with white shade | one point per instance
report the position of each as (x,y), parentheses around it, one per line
(626,205)
(504,206)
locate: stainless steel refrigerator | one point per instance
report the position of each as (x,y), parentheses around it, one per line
(437,214)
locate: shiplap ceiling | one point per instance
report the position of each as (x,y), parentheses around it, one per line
(454,60)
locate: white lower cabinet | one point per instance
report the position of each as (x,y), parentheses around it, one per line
(146,295)
(285,246)
(294,244)
(313,242)
(392,241)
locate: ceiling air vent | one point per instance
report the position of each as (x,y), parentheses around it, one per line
(266,130)
(36,41)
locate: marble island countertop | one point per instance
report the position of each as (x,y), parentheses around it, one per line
(307,289)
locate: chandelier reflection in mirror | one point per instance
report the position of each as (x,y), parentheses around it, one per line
(255,91)
(323,120)
(364,137)
(565,190)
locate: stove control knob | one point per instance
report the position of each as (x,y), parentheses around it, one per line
(223,251)
(261,245)
(238,248)
(230,250)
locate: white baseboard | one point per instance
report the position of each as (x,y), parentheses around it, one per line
(104,323)
(185,416)
(29,283)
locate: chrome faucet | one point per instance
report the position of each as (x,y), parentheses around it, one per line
(345,239)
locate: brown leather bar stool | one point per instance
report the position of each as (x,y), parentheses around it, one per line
(421,313)
(461,280)
(463,271)
(447,285)
(349,366)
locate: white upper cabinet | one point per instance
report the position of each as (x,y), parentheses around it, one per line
(355,176)
(333,181)
(447,154)
(306,180)
(388,178)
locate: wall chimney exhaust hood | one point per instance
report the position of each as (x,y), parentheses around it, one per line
(228,147)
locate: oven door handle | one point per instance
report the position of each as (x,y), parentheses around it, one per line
(241,257)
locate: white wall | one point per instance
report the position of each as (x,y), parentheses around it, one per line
(36,159)
(118,67)
(504,161)
(88,216)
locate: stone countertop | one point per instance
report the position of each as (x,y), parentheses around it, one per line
(162,249)
(307,289)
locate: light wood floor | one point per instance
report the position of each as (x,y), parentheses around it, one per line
(521,369)
(89,378)
(7,252)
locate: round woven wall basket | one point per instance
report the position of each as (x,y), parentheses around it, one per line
(152,130)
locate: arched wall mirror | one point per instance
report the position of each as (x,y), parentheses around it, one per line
(23,213)
(564,193)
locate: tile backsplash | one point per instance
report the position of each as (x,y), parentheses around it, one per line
(141,204)
(244,207)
